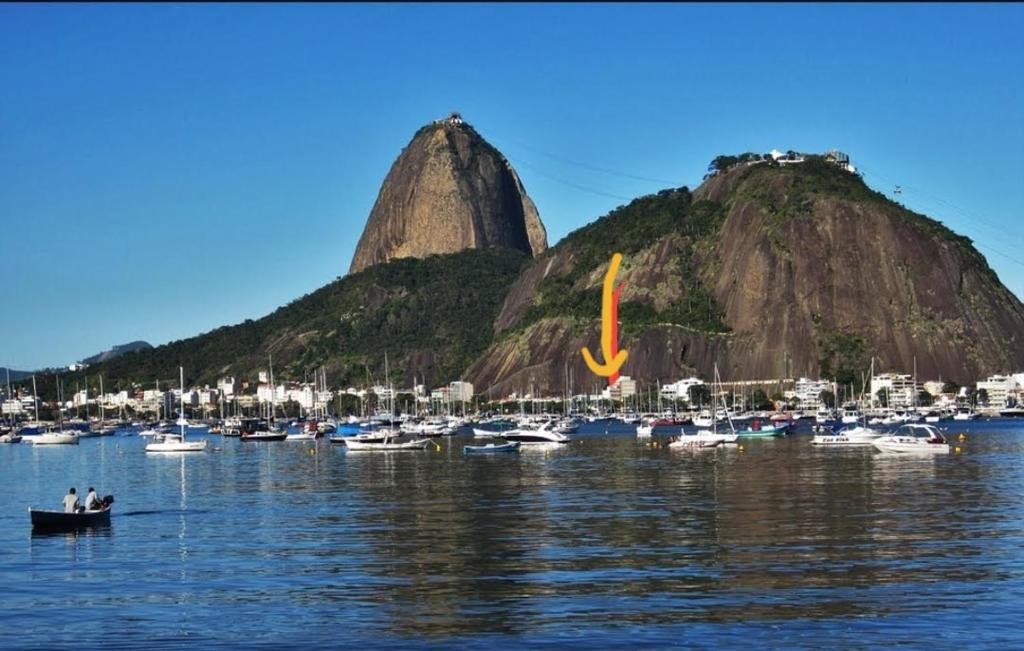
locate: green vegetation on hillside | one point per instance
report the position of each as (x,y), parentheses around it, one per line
(628,230)
(440,309)
(816,177)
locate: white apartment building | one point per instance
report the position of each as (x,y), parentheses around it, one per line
(903,389)
(228,386)
(1000,388)
(680,389)
(624,388)
(268,393)
(460,391)
(808,391)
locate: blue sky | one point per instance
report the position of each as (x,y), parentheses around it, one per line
(165,170)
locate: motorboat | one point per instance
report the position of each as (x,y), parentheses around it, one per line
(10,437)
(645,429)
(56,521)
(1012,412)
(965,413)
(913,438)
(700,439)
(529,435)
(850,415)
(757,429)
(257,429)
(491,448)
(704,419)
(855,436)
(822,416)
(175,443)
(567,426)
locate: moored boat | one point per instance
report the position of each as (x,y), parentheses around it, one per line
(914,438)
(542,434)
(759,430)
(43,520)
(491,448)
(60,437)
(389,445)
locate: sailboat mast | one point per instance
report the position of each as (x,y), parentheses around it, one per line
(181,419)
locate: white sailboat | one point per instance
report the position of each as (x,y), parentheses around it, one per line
(703,438)
(61,436)
(177,442)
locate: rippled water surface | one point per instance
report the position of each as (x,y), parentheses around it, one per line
(605,542)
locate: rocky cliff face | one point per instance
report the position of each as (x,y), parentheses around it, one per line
(448,191)
(770,272)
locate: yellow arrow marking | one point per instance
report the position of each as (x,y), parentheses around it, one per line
(613,360)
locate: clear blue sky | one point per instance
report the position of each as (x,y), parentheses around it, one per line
(165,170)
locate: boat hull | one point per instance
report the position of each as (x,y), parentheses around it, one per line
(61,521)
(265,436)
(363,446)
(177,446)
(491,448)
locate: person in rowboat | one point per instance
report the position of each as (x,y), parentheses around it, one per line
(71,501)
(92,500)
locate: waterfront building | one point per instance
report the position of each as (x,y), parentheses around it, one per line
(903,389)
(808,391)
(624,387)
(228,386)
(208,396)
(461,391)
(12,407)
(999,389)
(680,389)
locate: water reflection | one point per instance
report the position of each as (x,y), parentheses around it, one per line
(603,534)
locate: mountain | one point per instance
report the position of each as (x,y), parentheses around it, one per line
(15,375)
(117,351)
(769,271)
(432,316)
(449,190)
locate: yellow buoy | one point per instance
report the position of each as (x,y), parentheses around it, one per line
(957,449)
(741,448)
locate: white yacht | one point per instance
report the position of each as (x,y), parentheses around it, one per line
(855,436)
(914,438)
(542,434)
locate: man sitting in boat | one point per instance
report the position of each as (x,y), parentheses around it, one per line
(71,501)
(92,500)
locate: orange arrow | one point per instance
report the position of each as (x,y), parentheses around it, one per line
(614,358)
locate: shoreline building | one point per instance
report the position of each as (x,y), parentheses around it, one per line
(1000,390)
(809,391)
(902,389)
(680,390)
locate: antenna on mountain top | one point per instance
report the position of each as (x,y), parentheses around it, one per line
(897,190)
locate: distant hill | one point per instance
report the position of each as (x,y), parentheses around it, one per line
(117,351)
(433,316)
(15,375)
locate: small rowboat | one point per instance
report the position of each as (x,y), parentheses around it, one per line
(417,444)
(491,448)
(61,521)
(264,435)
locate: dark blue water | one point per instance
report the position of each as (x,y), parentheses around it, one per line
(606,542)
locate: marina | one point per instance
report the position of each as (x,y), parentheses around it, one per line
(607,535)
